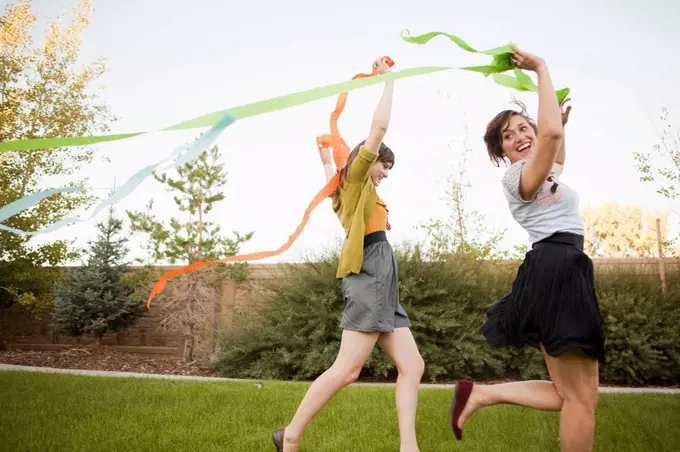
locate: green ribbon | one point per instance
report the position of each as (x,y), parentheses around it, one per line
(240,112)
(501,62)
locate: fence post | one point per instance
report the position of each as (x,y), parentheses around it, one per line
(217,314)
(662,270)
(228,302)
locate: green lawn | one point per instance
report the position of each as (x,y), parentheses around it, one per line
(42,412)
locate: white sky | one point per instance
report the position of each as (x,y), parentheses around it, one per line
(170,60)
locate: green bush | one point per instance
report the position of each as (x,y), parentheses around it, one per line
(296,334)
(643,328)
(302,307)
(27,286)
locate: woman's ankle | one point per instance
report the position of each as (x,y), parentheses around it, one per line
(291,435)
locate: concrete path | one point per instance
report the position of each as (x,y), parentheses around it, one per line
(104,373)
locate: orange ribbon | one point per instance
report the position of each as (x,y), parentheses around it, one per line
(340,154)
(334,140)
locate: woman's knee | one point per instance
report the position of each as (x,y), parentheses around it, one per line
(414,368)
(576,378)
(579,389)
(588,395)
(419,366)
(352,375)
(585,399)
(348,374)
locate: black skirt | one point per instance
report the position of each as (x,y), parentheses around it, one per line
(552,303)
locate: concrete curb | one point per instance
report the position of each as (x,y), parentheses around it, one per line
(105,373)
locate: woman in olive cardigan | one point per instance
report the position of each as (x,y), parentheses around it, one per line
(370,287)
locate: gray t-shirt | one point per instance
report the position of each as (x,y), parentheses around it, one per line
(554,209)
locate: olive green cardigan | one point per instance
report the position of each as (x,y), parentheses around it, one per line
(353,206)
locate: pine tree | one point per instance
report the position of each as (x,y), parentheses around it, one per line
(187,301)
(93,299)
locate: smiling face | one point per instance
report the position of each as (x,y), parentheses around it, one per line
(510,134)
(518,139)
(379,171)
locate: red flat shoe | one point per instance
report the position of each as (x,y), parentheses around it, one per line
(460,398)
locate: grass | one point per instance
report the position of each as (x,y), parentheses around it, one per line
(42,412)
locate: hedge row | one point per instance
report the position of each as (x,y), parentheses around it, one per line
(296,334)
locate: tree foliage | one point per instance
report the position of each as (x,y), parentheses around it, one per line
(94,299)
(187,301)
(44,92)
(198,186)
(614,230)
(662,166)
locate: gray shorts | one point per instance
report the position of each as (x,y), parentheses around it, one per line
(372,296)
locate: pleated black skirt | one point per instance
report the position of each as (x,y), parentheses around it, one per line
(552,302)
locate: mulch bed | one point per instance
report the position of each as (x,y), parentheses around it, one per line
(103,358)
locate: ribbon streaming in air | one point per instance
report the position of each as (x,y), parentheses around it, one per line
(183,154)
(320,196)
(501,62)
(240,112)
(17,206)
(334,139)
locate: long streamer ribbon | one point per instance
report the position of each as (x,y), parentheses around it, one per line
(502,62)
(334,139)
(240,112)
(320,196)
(17,206)
(183,153)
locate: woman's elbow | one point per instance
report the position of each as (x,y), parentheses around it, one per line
(379,128)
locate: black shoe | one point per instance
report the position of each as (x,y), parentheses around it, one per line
(277,437)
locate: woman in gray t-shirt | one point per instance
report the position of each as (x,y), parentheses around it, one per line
(552,305)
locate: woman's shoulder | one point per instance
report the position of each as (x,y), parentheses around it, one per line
(510,180)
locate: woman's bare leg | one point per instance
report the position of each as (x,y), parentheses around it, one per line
(355,348)
(576,377)
(540,395)
(573,391)
(402,349)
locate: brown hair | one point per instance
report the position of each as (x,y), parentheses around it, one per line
(494,131)
(385,155)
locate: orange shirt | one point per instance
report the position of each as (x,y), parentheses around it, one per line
(378,219)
